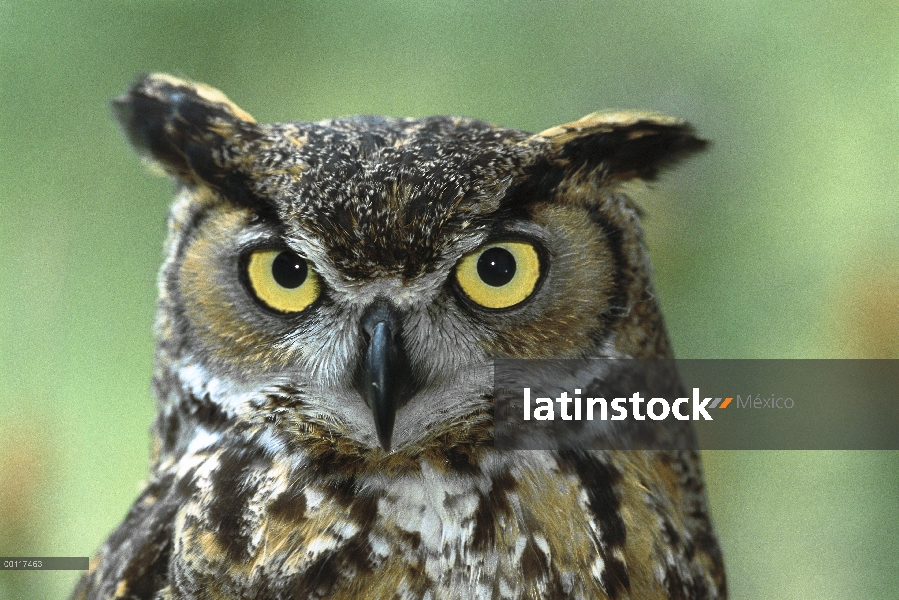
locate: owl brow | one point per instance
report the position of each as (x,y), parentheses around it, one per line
(265,213)
(235,187)
(514,204)
(497,225)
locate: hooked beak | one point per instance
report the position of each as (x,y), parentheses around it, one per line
(384,378)
(378,381)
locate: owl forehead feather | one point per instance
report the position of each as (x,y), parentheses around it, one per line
(392,194)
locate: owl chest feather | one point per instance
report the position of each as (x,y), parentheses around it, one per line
(524,525)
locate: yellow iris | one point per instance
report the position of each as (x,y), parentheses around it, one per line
(282,280)
(499,274)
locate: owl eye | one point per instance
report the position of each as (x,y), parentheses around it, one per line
(499,274)
(282,280)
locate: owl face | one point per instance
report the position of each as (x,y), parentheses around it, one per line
(352,279)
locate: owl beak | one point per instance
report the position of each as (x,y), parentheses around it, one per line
(383,361)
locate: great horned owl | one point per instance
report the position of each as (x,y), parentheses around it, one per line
(325,290)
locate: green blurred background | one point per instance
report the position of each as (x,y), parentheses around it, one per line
(782,241)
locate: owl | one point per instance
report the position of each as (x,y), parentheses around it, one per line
(331,299)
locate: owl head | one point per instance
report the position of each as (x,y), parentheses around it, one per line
(344,285)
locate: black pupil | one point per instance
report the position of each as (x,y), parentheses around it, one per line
(496,267)
(289,270)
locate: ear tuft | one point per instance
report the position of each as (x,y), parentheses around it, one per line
(179,124)
(620,146)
